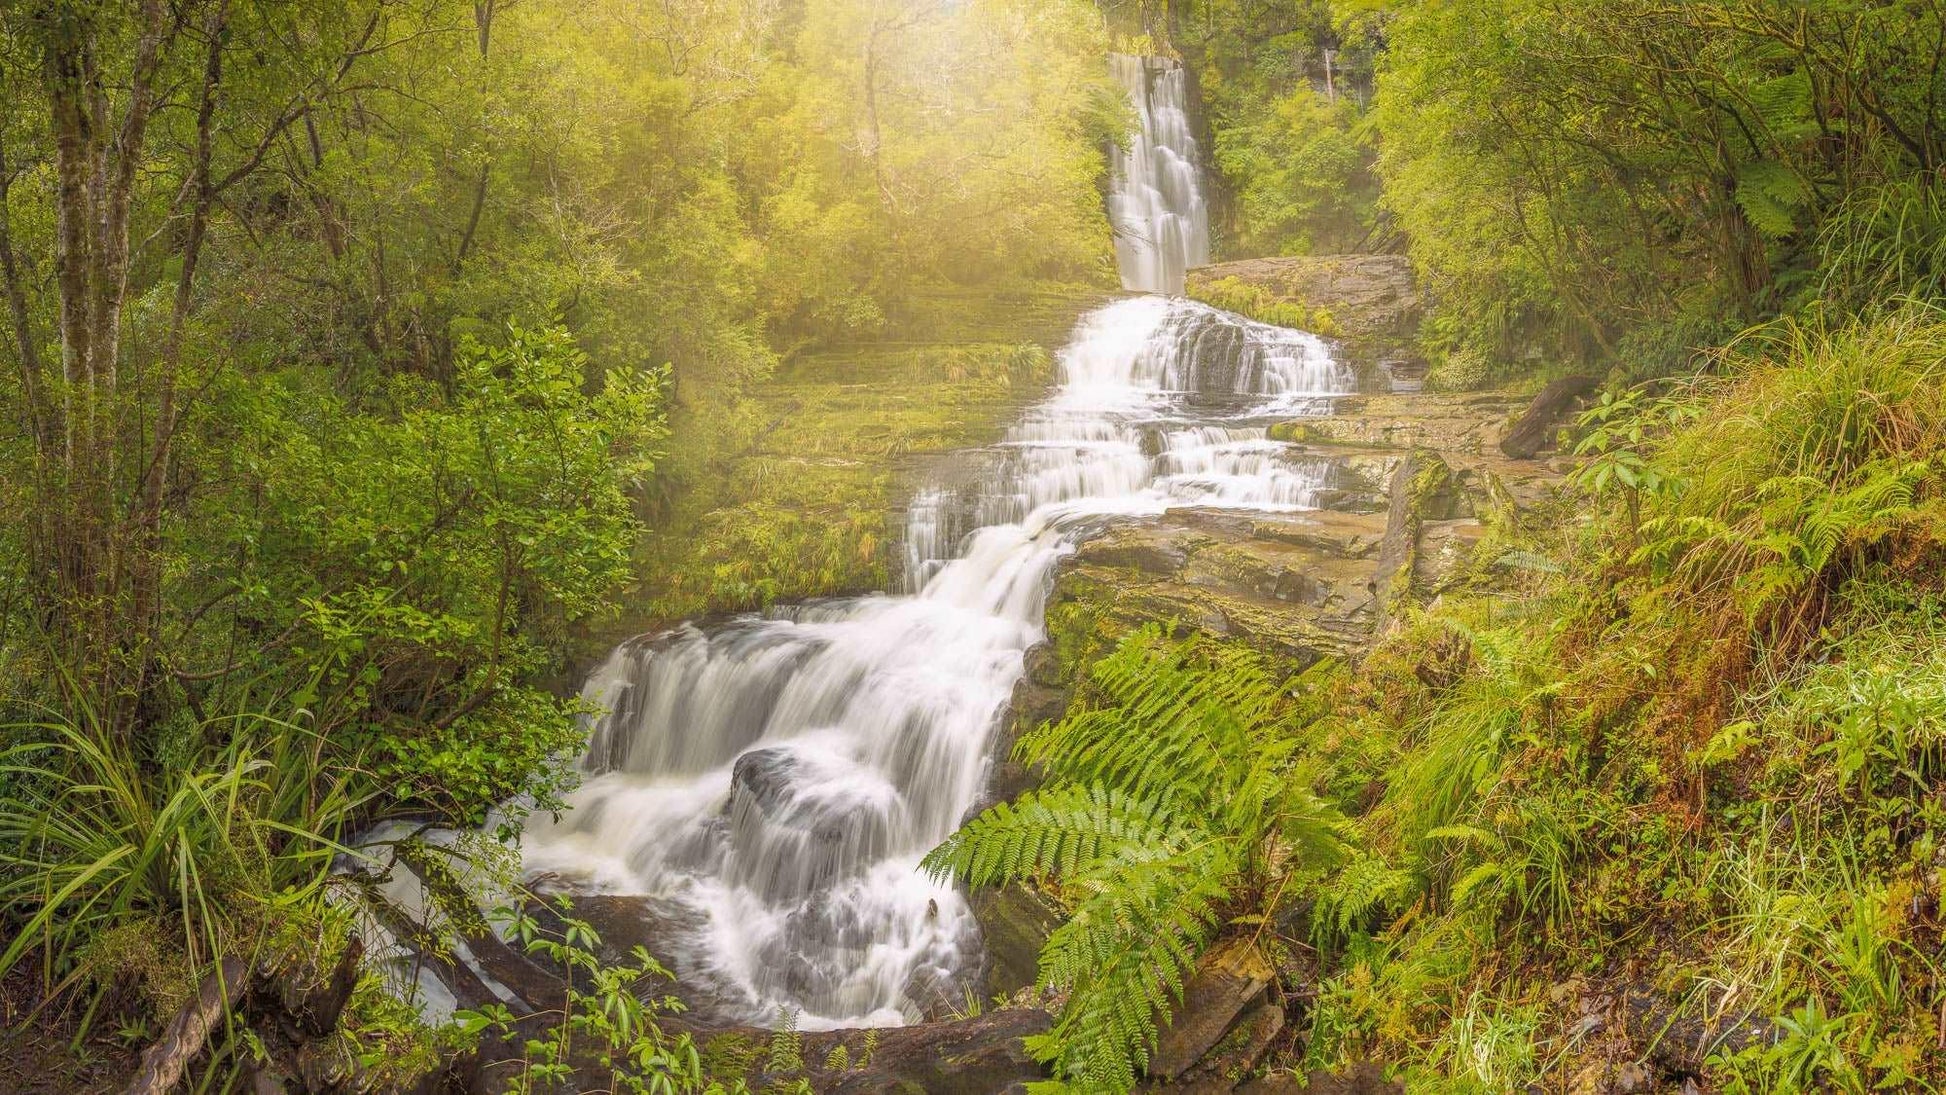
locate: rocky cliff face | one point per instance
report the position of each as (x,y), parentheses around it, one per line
(1370,302)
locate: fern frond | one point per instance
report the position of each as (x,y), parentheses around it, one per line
(1124,955)
(1169,797)
(1366,884)
(1053,831)
(1165,723)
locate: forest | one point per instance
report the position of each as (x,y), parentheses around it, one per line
(373,368)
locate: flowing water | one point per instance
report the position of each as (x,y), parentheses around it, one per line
(771,783)
(1156,203)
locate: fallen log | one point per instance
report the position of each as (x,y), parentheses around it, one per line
(164,1063)
(1534,430)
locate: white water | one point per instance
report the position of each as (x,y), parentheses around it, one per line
(777,779)
(1156,202)
(772,783)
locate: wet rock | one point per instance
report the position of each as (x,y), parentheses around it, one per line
(1231,1060)
(1160,552)
(765,776)
(1455,425)
(622,922)
(1014,924)
(975,1056)
(1445,549)
(1328,533)
(1393,578)
(1365,295)
(1230,980)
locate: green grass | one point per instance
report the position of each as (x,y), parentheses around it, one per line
(118,868)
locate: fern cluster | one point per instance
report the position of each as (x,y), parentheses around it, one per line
(1172,806)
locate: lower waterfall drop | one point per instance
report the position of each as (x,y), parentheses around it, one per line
(772,783)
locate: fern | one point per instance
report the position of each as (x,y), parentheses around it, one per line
(1365,884)
(786,1045)
(1054,831)
(1771,196)
(1171,807)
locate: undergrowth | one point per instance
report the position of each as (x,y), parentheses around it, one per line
(1686,776)
(1660,802)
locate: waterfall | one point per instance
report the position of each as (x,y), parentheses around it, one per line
(1155,200)
(774,781)
(769,785)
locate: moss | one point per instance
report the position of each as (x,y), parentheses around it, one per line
(1300,433)
(801,498)
(1462,370)
(1265,305)
(1082,625)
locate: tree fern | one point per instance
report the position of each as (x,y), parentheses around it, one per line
(1771,196)
(1169,807)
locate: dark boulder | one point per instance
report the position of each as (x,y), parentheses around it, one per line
(1014,925)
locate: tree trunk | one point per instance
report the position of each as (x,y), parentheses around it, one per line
(95,157)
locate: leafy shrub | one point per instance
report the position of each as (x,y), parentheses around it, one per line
(608,1023)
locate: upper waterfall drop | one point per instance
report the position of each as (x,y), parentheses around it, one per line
(1155,202)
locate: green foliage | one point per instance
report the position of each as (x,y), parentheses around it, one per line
(786,1045)
(1693,759)
(1600,181)
(1173,806)
(605,1021)
(1284,89)
(432,317)
(422,568)
(1884,243)
(119,872)
(1821,451)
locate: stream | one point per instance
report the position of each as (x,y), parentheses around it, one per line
(767,786)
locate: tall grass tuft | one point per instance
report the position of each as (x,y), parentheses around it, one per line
(1886,243)
(197,853)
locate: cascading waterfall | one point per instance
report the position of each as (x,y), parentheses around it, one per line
(770,785)
(777,779)
(1156,202)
